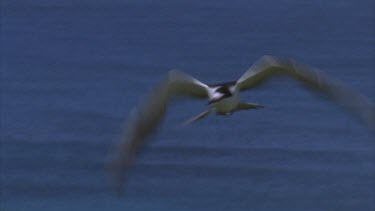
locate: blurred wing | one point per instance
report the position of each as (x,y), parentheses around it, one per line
(145,117)
(267,66)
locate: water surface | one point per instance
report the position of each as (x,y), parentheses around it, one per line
(71,71)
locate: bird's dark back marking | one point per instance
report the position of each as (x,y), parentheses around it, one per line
(226,84)
(224,90)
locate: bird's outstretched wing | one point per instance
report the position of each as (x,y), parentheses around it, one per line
(354,102)
(146,116)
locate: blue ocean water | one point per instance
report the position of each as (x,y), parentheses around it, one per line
(72,70)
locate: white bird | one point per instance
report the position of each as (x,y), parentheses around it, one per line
(224,99)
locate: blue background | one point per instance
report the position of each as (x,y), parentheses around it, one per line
(72,70)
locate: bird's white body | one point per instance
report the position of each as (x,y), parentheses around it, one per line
(226,105)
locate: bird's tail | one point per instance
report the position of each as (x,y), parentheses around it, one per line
(198,117)
(247,106)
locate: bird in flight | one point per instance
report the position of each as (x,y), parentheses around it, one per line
(224,99)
